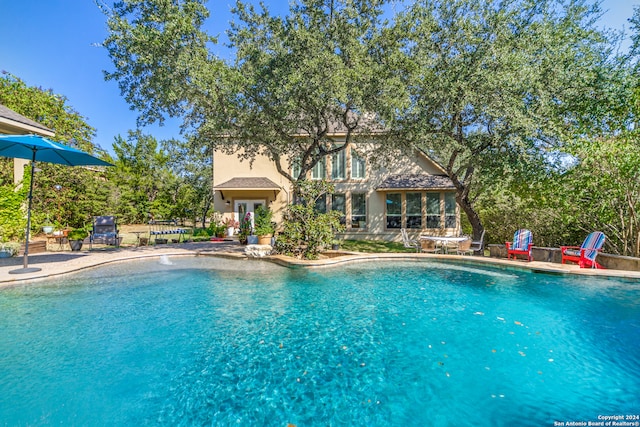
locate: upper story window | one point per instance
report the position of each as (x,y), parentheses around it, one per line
(296,168)
(338,165)
(319,171)
(357,166)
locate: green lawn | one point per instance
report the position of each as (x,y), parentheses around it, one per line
(373,246)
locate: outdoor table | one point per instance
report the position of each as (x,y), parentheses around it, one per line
(138,233)
(444,240)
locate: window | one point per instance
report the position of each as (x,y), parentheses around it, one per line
(338,165)
(321,204)
(319,171)
(449,210)
(338,203)
(295,168)
(433,210)
(394,210)
(414,210)
(357,166)
(358,210)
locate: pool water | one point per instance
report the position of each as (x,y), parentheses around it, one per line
(208,341)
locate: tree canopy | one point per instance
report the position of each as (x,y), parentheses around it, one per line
(498,87)
(328,65)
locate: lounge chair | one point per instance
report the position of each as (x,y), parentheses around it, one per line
(477,246)
(521,245)
(105,230)
(585,255)
(410,243)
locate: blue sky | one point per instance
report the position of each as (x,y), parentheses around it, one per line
(53,44)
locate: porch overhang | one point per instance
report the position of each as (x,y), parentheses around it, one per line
(248,184)
(416,182)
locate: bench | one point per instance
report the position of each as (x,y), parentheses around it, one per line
(160,228)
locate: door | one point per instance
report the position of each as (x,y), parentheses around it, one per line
(242,207)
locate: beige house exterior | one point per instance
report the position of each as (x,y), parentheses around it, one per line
(411,192)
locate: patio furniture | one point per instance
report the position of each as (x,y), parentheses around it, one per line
(429,246)
(585,255)
(105,231)
(521,245)
(464,248)
(478,245)
(445,242)
(161,229)
(410,243)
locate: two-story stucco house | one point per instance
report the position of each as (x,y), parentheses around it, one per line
(412,192)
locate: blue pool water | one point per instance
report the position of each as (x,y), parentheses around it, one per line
(206,341)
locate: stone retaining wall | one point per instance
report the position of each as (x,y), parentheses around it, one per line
(615,262)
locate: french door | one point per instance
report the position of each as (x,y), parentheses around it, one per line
(243,207)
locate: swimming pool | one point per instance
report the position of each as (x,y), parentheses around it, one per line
(210,341)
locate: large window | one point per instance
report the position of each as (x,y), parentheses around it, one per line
(414,210)
(421,210)
(319,171)
(433,210)
(394,210)
(357,166)
(449,210)
(358,210)
(339,203)
(338,165)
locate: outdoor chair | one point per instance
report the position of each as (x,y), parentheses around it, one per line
(585,255)
(429,246)
(105,230)
(521,245)
(477,246)
(410,243)
(464,248)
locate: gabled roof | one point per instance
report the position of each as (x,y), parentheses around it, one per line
(416,182)
(248,183)
(12,122)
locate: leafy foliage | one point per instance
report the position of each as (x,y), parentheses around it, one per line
(305,231)
(498,86)
(12,215)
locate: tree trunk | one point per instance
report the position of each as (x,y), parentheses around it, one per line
(472,215)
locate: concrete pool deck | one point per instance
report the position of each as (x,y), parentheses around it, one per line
(56,264)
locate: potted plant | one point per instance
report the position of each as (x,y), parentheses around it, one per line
(231,225)
(245,229)
(264,228)
(76,237)
(335,244)
(47,227)
(9,249)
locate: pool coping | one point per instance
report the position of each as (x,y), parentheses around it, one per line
(58,264)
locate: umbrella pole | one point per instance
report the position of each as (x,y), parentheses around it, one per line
(25,262)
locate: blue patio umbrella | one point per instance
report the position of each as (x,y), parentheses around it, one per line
(40,149)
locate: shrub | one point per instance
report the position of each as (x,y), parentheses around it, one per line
(305,231)
(262,222)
